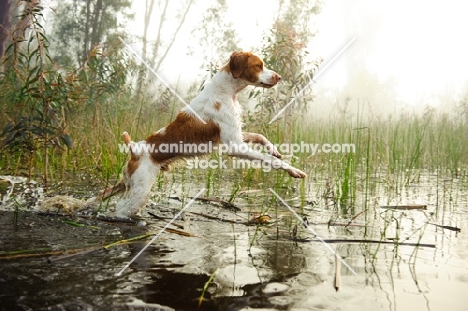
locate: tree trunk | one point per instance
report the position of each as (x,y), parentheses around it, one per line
(97,15)
(162,19)
(87,30)
(169,46)
(142,72)
(5,23)
(148,13)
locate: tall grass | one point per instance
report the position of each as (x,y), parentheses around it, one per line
(398,146)
(392,150)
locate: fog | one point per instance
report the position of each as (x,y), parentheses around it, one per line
(406,55)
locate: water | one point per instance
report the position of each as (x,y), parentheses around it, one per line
(255,267)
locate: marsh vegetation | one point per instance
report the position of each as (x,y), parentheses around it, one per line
(395,208)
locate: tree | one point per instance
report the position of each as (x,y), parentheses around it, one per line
(5,23)
(217,37)
(160,47)
(38,97)
(79,26)
(285,47)
(37,124)
(158,56)
(215,34)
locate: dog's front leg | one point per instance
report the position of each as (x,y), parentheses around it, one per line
(262,140)
(242,150)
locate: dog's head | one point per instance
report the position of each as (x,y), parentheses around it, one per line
(250,67)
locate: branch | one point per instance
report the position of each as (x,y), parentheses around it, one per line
(148,13)
(174,36)
(158,38)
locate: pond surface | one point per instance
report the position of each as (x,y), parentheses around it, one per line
(410,259)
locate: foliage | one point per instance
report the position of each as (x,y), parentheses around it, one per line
(78,26)
(35,90)
(40,99)
(216,35)
(285,50)
(91,99)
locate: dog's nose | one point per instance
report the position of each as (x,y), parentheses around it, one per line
(277,78)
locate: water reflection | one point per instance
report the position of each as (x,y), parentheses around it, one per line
(258,266)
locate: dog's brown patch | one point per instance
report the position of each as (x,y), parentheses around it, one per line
(133,164)
(217,106)
(185,129)
(134,161)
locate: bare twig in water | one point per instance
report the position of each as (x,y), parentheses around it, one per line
(126,241)
(68,253)
(179,232)
(354,217)
(163,218)
(456,229)
(337,272)
(223,203)
(215,218)
(28,253)
(76,253)
(406,207)
(367,241)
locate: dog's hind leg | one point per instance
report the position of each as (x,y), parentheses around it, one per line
(137,181)
(140,183)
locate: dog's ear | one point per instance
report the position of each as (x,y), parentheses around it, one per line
(238,62)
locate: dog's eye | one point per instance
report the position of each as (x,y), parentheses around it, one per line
(260,66)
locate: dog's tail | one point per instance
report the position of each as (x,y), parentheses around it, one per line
(126,138)
(111,191)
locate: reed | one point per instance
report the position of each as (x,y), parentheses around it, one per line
(393,149)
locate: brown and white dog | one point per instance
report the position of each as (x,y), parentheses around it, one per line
(218,107)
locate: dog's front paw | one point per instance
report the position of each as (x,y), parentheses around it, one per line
(296,173)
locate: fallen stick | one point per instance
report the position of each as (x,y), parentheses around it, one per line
(126,241)
(35,253)
(456,229)
(165,219)
(366,241)
(337,272)
(25,252)
(77,253)
(216,218)
(353,218)
(67,253)
(406,207)
(223,203)
(179,232)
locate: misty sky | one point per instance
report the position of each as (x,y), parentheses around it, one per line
(416,50)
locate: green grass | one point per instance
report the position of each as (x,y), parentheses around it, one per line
(391,154)
(394,150)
